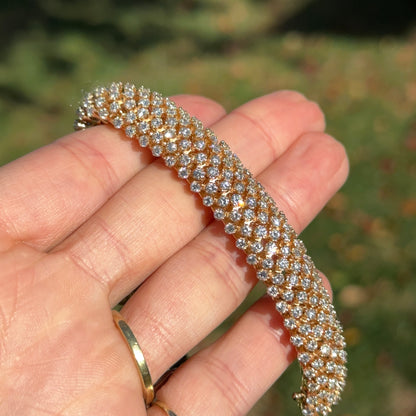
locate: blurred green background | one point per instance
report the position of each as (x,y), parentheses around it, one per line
(357,59)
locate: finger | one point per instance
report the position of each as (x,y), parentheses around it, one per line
(206,281)
(143,224)
(230,376)
(68,180)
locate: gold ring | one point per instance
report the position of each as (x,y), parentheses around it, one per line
(134,347)
(164,407)
(248,213)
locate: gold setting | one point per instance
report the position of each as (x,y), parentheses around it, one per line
(250,215)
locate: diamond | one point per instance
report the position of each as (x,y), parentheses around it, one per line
(198,174)
(312,345)
(325,350)
(130,131)
(208,201)
(288,297)
(196,187)
(278,279)
(290,323)
(251,259)
(262,275)
(257,247)
(241,243)
(297,312)
(272,291)
(249,214)
(223,201)
(260,231)
(211,188)
(212,172)
(157,151)
(246,230)
(118,122)
(267,263)
(281,307)
(304,358)
(171,147)
(296,340)
(235,215)
(219,214)
(230,228)
(183,173)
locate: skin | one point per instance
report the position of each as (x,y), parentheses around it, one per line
(88,218)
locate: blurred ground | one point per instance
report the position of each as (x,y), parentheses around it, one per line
(358,60)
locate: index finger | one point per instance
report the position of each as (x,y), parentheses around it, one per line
(50,192)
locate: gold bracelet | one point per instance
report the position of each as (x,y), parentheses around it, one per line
(250,215)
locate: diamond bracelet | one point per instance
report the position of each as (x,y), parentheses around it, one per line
(249,214)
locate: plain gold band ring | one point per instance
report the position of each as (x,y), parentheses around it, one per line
(162,405)
(134,347)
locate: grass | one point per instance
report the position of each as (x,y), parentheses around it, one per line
(232,52)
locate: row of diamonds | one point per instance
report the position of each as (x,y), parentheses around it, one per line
(250,215)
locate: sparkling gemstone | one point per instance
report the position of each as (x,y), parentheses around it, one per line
(263,217)
(302,297)
(170,161)
(246,230)
(251,259)
(290,323)
(201,158)
(171,147)
(267,263)
(118,122)
(272,291)
(274,234)
(157,151)
(196,187)
(225,185)
(170,134)
(293,279)
(103,113)
(208,200)
(185,144)
(130,131)
(219,214)
(305,329)
(198,174)
(211,188)
(278,279)
(257,247)
(130,117)
(241,243)
(249,214)
(296,340)
(156,137)
(260,231)
(215,160)
(212,172)
(325,350)
(283,264)
(184,160)
(297,312)
(223,201)
(143,141)
(236,199)
(183,173)
(235,215)
(304,358)
(312,345)
(317,364)
(262,275)
(251,202)
(271,248)
(185,131)
(288,296)
(281,307)
(230,228)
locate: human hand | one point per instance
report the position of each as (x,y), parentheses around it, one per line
(86,220)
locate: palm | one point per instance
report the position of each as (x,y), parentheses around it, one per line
(86,220)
